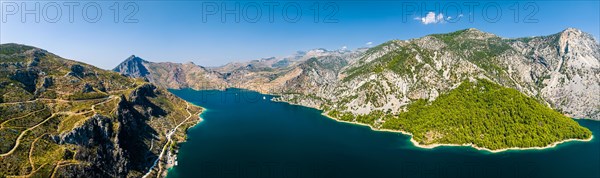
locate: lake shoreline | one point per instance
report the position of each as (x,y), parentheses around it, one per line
(429,146)
(432,146)
(172,157)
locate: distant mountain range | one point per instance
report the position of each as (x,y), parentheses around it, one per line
(561,71)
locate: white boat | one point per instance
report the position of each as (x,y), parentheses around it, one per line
(264,98)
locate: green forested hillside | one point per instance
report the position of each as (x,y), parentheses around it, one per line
(484,114)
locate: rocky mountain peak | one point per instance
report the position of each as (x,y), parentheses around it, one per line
(575,34)
(572,40)
(473,33)
(571,30)
(133,66)
(316,51)
(134,59)
(474,30)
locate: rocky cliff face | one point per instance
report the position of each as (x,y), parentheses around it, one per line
(560,70)
(98,147)
(62,118)
(564,69)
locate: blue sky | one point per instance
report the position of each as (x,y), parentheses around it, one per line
(181,31)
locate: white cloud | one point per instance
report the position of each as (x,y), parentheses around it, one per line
(431,18)
(369,44)
(450,17)
(344,47)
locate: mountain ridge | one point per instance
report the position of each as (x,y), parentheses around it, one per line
(445,57)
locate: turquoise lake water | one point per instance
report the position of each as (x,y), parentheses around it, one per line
(244,135)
